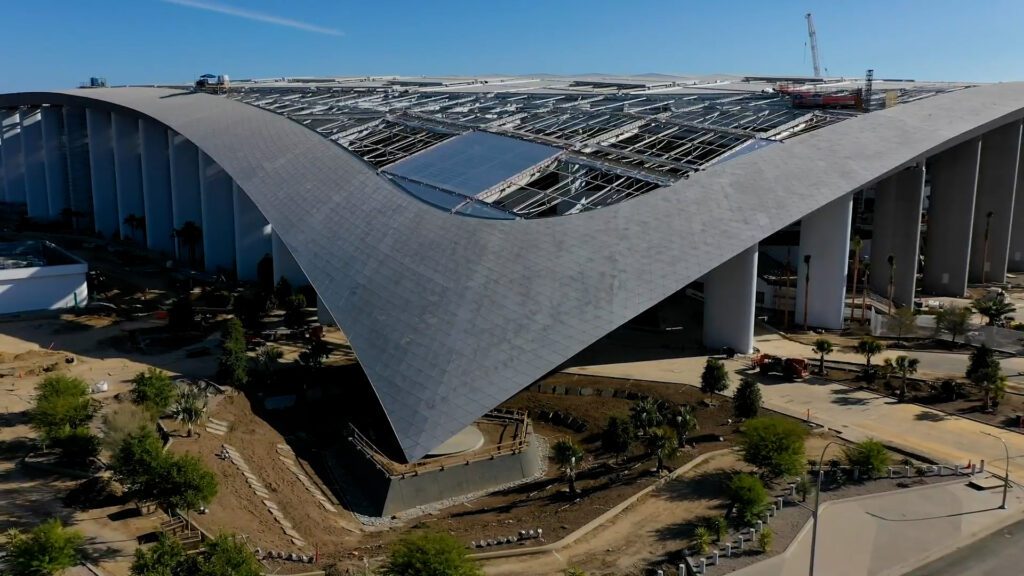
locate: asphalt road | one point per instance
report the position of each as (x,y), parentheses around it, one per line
(1001,553)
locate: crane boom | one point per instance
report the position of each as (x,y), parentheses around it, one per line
(814,45)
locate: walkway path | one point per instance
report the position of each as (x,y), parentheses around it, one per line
(999,553)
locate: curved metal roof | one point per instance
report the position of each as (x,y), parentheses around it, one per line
(450,316)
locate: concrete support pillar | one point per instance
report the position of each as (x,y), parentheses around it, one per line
(899,200)
(1015,261)
(825,237)
(285,264)
(185,195)
(14,163)
(101,169)
(997,185)
(128,165)
(3,179)
(252,236)
(34,156)
(76,136)
(216,192)
(55,158)
(156,186)
(730,292)
(954,178)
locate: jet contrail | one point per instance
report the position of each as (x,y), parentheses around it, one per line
(250,15)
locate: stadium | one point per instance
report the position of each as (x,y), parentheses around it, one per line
(471,234)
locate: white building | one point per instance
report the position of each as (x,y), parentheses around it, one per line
(40,276)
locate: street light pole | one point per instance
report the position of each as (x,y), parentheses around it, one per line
(1006,478)
(817,502)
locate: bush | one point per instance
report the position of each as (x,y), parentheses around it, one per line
(123,420)
(765,539)
(185,483)
(429,554)
(701,540)
(153,390)
(718,526)
(618,435)
(951,389)
(774,445)
(714,378)
(747,401)
(138,464)
(164,558)
(62,405)
(221,556)
(46,549)
(870,456)
(233,366)
(77,446)
(804,487)
(748,497)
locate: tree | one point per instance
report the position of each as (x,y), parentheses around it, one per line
(804,487)
(429,554)
(47,549)
(294,317)
(747,497)
(61,415)
(663,444)
(568,456)
(684,422)
(868,347)
(904,366)
(822,347)
(186,484)
(951,389)
(164,558)
(953,319)
(233,366)
(714,378)
(645,416)
(225,555)
(138,464)
(189,237)
(123,420)
(747,401)
(765,539)
(618,436)
(701,540)
(903,320)
(190,409)
(985,372)
(869,456)
(994,309)
(181,317)
(267,358)
(314,355)
(153,390)
(774,445)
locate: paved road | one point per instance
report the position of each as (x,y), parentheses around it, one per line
(1001,553)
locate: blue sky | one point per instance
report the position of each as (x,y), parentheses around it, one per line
(59,43)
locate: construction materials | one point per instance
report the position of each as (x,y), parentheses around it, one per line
(789,368)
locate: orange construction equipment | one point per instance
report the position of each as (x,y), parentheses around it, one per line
(790,368)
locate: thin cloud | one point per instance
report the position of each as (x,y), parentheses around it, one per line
(257,16)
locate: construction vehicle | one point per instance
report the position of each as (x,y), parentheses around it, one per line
(789,368)
(213,84)
(812,35)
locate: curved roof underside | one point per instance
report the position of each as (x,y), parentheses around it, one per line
(450,316)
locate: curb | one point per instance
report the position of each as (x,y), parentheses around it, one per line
(597,522)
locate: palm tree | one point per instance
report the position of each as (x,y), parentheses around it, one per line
(189,236)
(807,286)
(645,416)
(684,422)
(823,348)
(868,347)
(662,444)
(995,309)
(904,366)
(857,244)
(190,409)
(568,457)
(892,278)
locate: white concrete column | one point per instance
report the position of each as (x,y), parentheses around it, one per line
(101,169)
(3,179)
(128,165)
(285,264)
(252,235)
(14,163)
(997,185)
(730,294)
(76,135)
(1015,261)
(954,178)
(34,156)
(55,158)
(156,186)
(899,200)
(218,203)
(825,237)
(185,196)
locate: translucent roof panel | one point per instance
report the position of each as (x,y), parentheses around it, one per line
(473,162)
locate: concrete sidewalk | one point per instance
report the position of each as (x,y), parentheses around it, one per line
(892,533)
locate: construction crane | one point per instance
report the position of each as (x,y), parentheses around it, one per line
(814,45)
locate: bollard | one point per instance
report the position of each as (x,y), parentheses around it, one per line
(908,471)
(792,491)
(780,503)
(753,535)
(660,573)
(760,525)
(716,557)
(681,569)
(741,542)
(981,470)
(974,469)
(703,565)
(890,472)
(728,550)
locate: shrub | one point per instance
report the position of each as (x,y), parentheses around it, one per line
(46,549)
(748,497)
(747,401)
(765,539)
(77,446)
(164,558)
(718,526)
(618,435)
(62,405)
(233,366)
(804,487)
(429,554)
(138,464)
(123,420)
(701,539)
(185,483)
(775,445)
(714,378)
(153,390)
(870,456)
